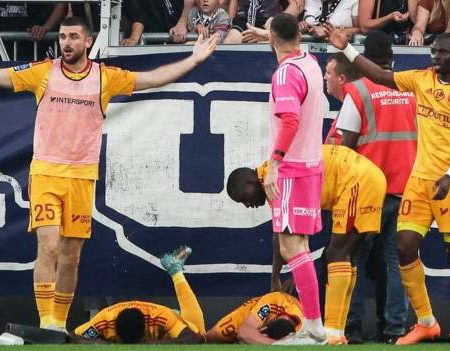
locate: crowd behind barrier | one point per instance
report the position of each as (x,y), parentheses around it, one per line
(237,21)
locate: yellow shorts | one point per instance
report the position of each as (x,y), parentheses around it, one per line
(417,209)
(359,202)
(65,202)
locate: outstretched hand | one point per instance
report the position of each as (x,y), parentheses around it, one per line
(336,36)
(254,34)
(203,48)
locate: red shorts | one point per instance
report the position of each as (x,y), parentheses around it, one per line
(297,208)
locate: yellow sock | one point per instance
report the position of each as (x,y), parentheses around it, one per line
(43,293)
(348,297)
(62,302)
(339,280)
(190,310)
(413,278)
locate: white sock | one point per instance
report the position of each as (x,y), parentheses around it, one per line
(315,326)
(334,332)
(427,321)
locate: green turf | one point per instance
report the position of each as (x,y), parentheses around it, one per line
(236,347)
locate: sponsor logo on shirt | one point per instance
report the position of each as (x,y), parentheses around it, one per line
(428,112)
(66,100)
(338,213)
(276,212)
(264,312)
(21,67)
(439,94)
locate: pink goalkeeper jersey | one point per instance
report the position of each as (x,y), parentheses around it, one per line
(297,88)
(69,119)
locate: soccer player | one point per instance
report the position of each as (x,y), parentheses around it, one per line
(134,322)
(366,125)
(72,94)
(261,320)
(425,197)
(354,190)
(294,177)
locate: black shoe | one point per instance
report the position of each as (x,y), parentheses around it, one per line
(354,335)
(391,339)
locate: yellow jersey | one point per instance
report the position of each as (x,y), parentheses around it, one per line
(433,121)
(161,322)
(264,308)
(34,78)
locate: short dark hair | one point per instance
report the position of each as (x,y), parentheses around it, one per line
(344,66)
(76,21)
(285,26)
(279,328)
(237,181)
(130,325)
(378,47)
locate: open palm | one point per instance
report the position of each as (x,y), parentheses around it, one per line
(336,36)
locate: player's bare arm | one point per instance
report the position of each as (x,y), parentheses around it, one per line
(338,38)
(249,333)
(349,139)
(5,81)
(172,72)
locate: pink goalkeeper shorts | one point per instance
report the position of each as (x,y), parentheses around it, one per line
(297,208)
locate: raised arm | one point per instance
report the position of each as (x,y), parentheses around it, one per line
(338,38)
(5,81)
(173,71)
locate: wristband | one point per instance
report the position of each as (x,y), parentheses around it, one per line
(350,52)
(278,155)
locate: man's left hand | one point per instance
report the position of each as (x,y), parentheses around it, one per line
(271,181)
(441,187)
(204,48)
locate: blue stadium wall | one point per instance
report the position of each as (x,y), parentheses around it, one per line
(165,158)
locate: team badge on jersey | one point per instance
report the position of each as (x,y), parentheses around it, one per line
(264,312)
(91,333)
(21,67)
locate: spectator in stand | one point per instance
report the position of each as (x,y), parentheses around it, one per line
(257,13)
(90,12)
(432,18)
(340,13)
(37,19)
(208,18)
(390,16)
(159,16)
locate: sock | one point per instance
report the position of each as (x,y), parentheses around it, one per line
(305,278)
(336,295)
(348,297)
(413,278)
(43,293)
(190,310)
(62,303)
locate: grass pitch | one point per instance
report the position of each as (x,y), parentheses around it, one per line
(444,346)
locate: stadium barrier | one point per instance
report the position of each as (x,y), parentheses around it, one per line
(165,158)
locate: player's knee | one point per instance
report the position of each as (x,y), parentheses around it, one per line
(68,259)
(406,253)
(48,250)
(333,254)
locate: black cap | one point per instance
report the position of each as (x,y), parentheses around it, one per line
(378,47)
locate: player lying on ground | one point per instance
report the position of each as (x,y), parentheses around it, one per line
(261,320)
(133,322)
(354,190)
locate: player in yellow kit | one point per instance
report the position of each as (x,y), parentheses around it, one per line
(353,190)
(146,322)
(261,320)
(72,94)
(425,197)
